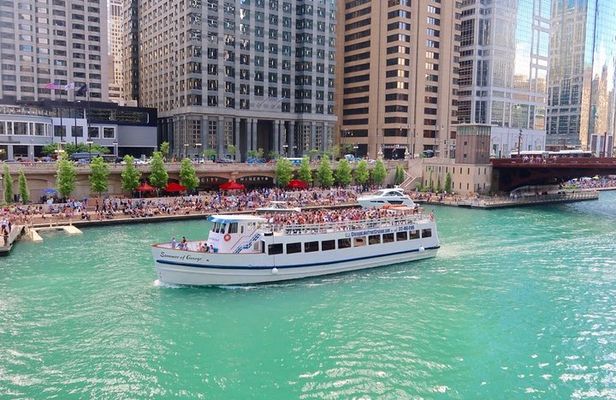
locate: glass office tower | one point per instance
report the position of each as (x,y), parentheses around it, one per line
(503,71)
(581,86)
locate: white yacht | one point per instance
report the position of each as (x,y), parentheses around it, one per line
(277,207)
(247,249)
(386,197)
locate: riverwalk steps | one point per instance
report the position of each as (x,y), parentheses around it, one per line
(506,202)
(33,233)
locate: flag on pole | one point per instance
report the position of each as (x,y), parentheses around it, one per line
(52,86)
(83,89)
(69,86)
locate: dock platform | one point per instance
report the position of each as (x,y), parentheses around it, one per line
(6,247)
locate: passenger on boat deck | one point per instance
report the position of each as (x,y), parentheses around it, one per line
(203,247)
(174,243)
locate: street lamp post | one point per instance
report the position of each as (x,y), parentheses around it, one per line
(285,148)
(198,149)
(89,143)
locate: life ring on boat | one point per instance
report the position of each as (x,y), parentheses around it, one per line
(227,237)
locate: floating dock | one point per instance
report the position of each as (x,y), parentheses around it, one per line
(568,197)
(6,247)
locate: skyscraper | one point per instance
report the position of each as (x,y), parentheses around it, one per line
(239,75)
(397,77)
(116,45)
(56,41)
(582,72)
(503,71)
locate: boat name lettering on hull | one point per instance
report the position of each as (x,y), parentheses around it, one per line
(183,257)
(381,231)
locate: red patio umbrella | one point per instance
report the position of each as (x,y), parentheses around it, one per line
(297,184)
(173,187)
(231,185)
(144,187)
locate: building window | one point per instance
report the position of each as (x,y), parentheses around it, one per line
(108,133)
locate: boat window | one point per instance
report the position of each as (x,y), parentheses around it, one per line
(233,227)
(402,236)
(425,233)
(359,241)
(414,235)
(241,228)
(344,243)
(223,227)
(374,239)
(388,237)
(215,227)
(328,245)
(274,249)
(293,248)
(309,247)
(258,246)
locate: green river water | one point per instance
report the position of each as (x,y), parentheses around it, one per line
(519,304)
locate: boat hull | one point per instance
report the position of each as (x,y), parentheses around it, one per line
(182,272)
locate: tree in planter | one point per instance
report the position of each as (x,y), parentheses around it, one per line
(448,183)
(273,155)
(164,149)
(399,175)
(209,154)
(325,175)
(8,185)
(343,173)
(379,173)
(313,154)
(284,172)
(260,153)
(23,187)
(158,175)
(362,175)
(99,176)
(439,188)
(304,173)
(65,177)
(231,150)
(188,175)
(130,175)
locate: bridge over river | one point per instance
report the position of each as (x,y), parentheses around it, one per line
(511,173)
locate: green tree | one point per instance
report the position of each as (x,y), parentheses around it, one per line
(99,175)
(8,185)
(305,173)
(313,154)
(325,174)
(65,177)
(164,149)
(343,173)
(361,173)
(158,174)
(284,172)
(231,150)
(188,175)
(209,154)
(273,155)
(379,173)
(23,187)
(448,182)
(399,175)
(130,175)
(439,188)
(260,153)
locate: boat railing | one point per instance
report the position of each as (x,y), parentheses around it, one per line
(351,225)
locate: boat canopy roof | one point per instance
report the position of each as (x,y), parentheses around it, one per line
(235,218)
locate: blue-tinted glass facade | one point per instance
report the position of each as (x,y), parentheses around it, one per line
(582,71)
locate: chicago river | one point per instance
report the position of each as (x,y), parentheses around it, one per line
(519,303)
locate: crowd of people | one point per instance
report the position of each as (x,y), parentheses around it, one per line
(599,183)
(207,203)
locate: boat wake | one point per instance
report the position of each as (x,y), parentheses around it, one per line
(165,285)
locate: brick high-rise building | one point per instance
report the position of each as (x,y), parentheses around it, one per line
(397,76)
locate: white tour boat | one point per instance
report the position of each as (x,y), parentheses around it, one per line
(386,197)
(247,249)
